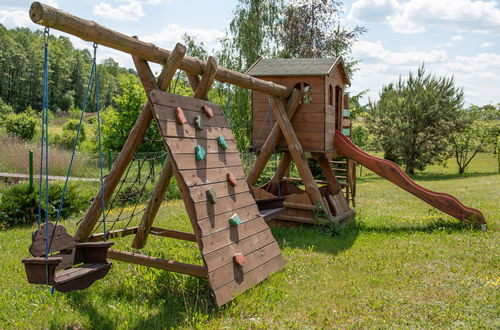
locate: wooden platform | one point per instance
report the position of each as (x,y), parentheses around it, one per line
(218,239)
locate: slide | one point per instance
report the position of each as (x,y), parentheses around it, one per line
(390,171)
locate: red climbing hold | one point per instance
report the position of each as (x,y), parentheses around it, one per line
(239,259)
(231,179)
(208,111)
(179,115)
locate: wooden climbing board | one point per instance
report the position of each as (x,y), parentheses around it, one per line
(204,151)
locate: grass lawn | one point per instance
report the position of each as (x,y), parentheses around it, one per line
(401,264)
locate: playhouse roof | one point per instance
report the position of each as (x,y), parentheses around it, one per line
(295,67)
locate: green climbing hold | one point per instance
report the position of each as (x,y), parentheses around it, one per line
(211,195)
(200,152)
(197,123)
(222,142)
(235,219)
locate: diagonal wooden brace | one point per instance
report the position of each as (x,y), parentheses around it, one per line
(273,138)
(207,79)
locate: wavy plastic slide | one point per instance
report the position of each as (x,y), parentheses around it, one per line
(390,171)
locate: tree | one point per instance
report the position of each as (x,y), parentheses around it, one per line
(471,137)
(414,118)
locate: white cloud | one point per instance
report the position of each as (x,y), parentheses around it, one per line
(173,33)
(486,44)
(457,38)
(131,11)
(14,18)
(415,16)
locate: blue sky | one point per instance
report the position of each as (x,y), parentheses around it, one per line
(453,37)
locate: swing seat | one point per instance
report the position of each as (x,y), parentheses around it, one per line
(75,267)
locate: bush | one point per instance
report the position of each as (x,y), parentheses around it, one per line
(19,205)
(5,110)
(67,138)
(21,125)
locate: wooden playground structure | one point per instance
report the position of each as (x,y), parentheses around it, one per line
(307,108)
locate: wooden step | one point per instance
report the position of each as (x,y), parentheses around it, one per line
(81,277)
(270,214)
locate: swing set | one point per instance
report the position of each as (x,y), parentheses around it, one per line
(229,215)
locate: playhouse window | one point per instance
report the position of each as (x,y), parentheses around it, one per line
(306,92)
(330,95)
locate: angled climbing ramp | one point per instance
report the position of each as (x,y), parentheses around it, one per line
(236,244)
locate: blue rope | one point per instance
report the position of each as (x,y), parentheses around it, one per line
(45,98)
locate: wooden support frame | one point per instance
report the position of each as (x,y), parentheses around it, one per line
(331,180)
(170,265)
(295,149)
(283,167)
(273,138)
(173,234)
(113,234)
(207,79)
(129,149)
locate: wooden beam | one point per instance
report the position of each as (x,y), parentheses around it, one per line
(154,204)
(173,234)
(90,31)
(207,79)
(299,206)
(125,156)
(272,140)
(331,180)
(113,234)
(171,66)
(194,81)
(280,173)
(295,149)
(170,265)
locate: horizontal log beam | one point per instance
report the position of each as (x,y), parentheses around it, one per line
(173,234)
(170,265)
(90,31)
(113,234)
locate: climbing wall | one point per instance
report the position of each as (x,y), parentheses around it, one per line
(237,246)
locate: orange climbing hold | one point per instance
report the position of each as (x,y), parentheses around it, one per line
(179,115)
(208,111)
(239,259)
(232,179)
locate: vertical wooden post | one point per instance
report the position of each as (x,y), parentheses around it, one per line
(273,138)
(30,167)
(295,149)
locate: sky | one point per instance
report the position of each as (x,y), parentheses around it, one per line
(459,38)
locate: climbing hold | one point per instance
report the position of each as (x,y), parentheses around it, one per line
(222,142)
(235,219)
(211,195)
(197,123)
(179,115)
(199,152)
(208,111)
(239,259)
(231,178)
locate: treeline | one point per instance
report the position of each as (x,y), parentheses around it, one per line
(21,71)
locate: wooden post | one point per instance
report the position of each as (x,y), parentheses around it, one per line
(295,149)
(273,138)
(124,158)
(332,182)
(90,31)
(194,81)
(207,79)
(280,173)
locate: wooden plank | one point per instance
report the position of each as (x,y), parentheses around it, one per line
(231,272)
(181,145)
(207,210)
(221,221)
(257,275)
(170,265)
(327,171)
(296,219)
(58,239)
(170,67)
(154,204)
(224,256)
(167,113)
(197,177)
(88,30)
(173,234)
(223,189)
(166,100)
(188,160)
(300,206)
(266,126)
(233,234)
(171,129)
(113,234)
(298,118)
(207,79)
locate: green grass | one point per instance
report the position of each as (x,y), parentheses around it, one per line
(402,264)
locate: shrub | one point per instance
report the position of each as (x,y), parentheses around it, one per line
(67,138)
(19,205)
(5,110)
(21,125)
